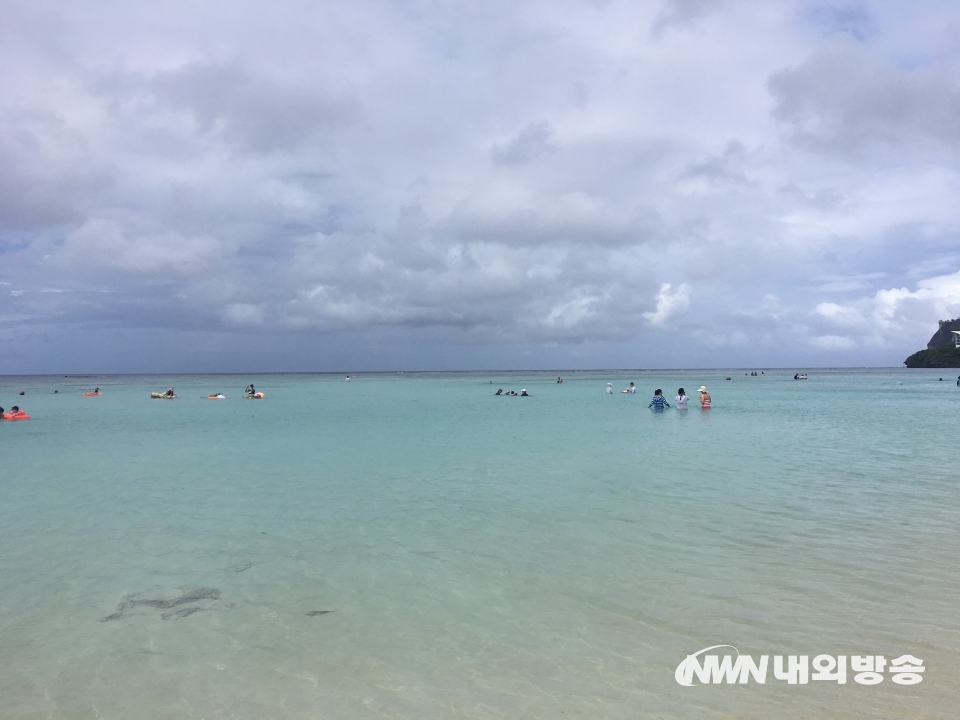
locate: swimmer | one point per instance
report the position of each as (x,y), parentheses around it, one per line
(560,381)
(217,396)
(659,402)
(524,393)
(632,388)
(681,399)
(169,393)
(499,391)
(15,414)
(704,398)
(609,389)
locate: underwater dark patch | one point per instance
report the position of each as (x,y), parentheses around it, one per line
(131,602)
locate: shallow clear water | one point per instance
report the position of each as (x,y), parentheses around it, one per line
(482,556)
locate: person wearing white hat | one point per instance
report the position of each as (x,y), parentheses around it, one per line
(524,393)
(609,390)
(704,398)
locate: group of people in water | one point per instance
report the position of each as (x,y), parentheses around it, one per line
(659,402)
(249,393)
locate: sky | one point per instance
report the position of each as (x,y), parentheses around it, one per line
(353,186)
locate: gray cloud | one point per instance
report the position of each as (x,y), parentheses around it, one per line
(252,112)
(529,144)
(843,101)
(682,12)
(855,20)
(585,183)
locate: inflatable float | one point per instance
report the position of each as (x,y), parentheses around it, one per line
(218,396)
(255,396)
(16,416)
(162,396)
(93,394)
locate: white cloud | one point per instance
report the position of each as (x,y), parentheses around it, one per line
(670,303)
(100,243)
(890,315)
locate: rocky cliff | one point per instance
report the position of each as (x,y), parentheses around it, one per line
(940,352)
(943,337)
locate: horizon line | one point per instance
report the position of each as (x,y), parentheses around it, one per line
(477,371)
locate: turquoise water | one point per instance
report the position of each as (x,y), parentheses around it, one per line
(480,556)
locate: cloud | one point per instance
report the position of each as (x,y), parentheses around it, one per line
(243,314)
(438,179)
(842,100)
(255,113)
(855,20)
(532,142)
(103,244)
(832,342)
(682,12)
(670,303)
(889,314)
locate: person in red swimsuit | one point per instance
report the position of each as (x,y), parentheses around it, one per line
(704,398)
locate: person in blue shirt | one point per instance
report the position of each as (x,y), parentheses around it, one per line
(659,402)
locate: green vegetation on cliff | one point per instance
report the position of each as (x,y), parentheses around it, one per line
(941,357)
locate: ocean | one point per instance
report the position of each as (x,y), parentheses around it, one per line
(409,545)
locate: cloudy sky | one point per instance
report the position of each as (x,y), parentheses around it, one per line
(360,185)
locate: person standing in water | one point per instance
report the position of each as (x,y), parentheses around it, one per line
(682,399)
(609,389)
(659,402)
(704,398)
